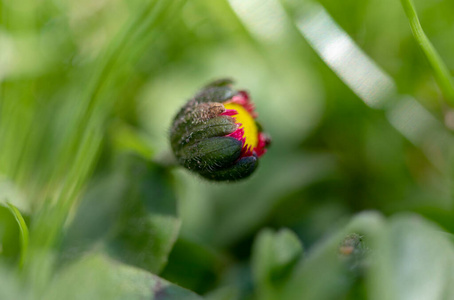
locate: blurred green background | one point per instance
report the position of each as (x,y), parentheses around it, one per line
(88,209)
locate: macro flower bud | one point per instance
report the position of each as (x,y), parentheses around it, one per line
(216,135)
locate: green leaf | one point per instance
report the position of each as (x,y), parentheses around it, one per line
(418,259)
(224,293)
(127,138)
(240,218)
(133,212)
(407,258)
(97,276)
(324,273)
(10,287)
(274,256)
(148,224)
(194,266)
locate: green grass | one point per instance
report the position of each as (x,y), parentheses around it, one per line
(441,71)
(24,235)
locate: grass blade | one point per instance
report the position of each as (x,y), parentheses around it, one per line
(441,71)
(23,232)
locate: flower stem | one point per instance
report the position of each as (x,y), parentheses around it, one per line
(440,69)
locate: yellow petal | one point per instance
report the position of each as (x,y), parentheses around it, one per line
(248,124)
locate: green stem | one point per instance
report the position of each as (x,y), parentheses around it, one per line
(441,71)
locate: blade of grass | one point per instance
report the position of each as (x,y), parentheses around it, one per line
(23,232)
(440,69)
(97,107)
(119,51)
(81,146)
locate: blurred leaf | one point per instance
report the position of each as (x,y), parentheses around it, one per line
(10,287)
(148,224)
(420,261)
(273,258)
(263,192)
(128,139)
(134,211)
(26,54)
(98,277)
(194,266)
(323,274)
(10,193)
(408,258)
(225,293)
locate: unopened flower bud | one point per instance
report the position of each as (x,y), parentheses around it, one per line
(216,135)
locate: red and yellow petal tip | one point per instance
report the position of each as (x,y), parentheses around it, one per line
(242,110)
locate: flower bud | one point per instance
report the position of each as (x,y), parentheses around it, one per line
(215,134)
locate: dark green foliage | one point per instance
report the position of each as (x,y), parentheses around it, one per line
(132,211)
(195,266)
(274,256)
(96,276)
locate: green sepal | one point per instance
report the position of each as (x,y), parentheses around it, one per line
(194,113)
(219,82)
(218,126)
(215,94)
(210,154)
(241,169)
